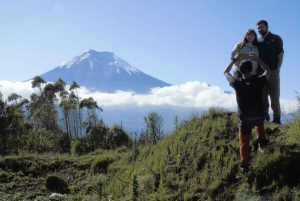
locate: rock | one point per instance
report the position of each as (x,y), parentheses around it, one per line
(56,195)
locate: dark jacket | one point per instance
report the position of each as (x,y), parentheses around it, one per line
(269,49)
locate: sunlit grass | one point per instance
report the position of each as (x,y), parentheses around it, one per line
(197,162)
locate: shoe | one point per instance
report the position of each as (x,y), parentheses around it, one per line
(267,117)
(262,145)
(276,121)
(244,170)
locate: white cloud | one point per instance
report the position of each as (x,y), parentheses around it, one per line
(21,88)
(289,106)
(191,95)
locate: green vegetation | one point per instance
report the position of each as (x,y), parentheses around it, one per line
(198,161)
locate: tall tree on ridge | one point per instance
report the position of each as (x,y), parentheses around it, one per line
(77,114)
(154,123)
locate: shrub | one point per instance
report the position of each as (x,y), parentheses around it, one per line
(117,137)
(101,163)
(81,149)
(134,187)
(13,164)
(99,184)
(56,184)
(154,123)
(62,143)
(40,141)
(3,177)
(33,170)
(97,136)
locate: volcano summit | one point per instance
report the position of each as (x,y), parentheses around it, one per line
(104,72)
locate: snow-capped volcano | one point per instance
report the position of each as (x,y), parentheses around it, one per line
(103,71)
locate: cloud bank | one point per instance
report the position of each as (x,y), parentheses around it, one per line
(191,95)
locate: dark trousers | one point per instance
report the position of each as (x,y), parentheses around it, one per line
(272,89)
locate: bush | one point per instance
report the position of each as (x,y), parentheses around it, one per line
(40,141)
(79,148)
(3,177)
(62,143)
(134,187)
(117,137)
(101,163)
(56,184)
(97,136)
(12,163)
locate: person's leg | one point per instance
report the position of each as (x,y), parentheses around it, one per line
(261,134)
(265,94)
(274,91)
(244,149)
(244,137)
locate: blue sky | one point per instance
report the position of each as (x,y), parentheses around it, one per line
(175,41)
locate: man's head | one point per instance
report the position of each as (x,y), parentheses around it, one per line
(245,66)
(262,27)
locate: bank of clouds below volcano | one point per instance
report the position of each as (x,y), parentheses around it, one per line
(190,95)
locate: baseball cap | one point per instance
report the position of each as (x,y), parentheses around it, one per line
(245,66)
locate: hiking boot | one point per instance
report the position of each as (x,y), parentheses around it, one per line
(267,117)
(276,121)
(244,170)
(262,145)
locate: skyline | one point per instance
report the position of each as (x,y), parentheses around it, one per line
(176,42)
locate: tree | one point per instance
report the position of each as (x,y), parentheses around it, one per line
(36,100)
(74,85)
(60,85)
(77,113)
(66,107)
(38,82)
(14,97)
(90,106)
(117,137)
(134,185)
(11,123)
(46,113)
(154,123)
(4,125)
(43,106)
(97,135)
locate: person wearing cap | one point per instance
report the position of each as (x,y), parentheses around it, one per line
(250,103)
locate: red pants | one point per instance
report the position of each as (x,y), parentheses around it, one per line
(245,125)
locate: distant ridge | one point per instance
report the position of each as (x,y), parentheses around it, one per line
(103,71)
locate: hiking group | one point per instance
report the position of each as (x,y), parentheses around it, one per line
(257,64)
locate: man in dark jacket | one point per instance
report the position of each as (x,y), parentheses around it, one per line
(250,103)
(270,47)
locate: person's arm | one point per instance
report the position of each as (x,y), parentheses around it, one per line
(280,54)
(235,50)
(229,66)
(280,60)
(261,63)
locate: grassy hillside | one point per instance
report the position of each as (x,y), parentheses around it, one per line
(198,161)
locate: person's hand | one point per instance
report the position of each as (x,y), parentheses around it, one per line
(238,56)
(253,56)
